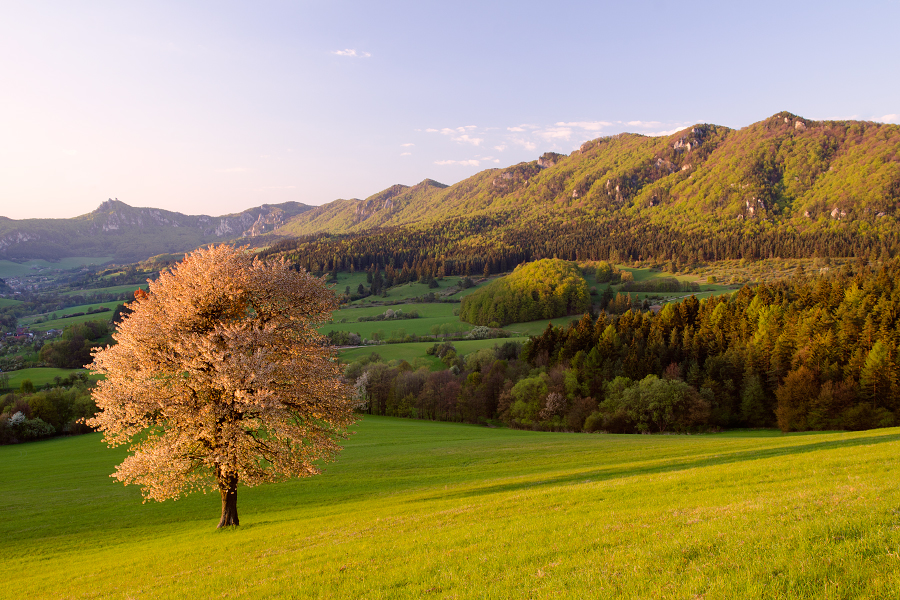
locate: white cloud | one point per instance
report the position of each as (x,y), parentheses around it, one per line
(555,133)
(406,154)
(463,163)
(406,145)
(525,143)
(588,125)
(352,53)
(500,148)
(515,129)
(452,130)
(459,134)
(662,133)
(644,123)
(889,118)
(466,138)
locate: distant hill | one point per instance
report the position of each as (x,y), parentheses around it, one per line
(783,170)
(785,186)
(131,234)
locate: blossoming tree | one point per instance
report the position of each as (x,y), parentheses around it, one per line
(219,376)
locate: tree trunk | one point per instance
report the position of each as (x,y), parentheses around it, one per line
(228,488)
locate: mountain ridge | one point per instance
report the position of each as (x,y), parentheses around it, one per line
(130,233)
(785,168)
(785,176)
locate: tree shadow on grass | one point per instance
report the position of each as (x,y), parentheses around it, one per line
(667,466)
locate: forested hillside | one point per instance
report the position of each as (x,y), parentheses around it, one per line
(783,170)
(815,352)
(784,187)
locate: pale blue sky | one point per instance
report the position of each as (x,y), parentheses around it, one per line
(214,107)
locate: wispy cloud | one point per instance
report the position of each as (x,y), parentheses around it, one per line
(406,145)
(463,163)
(889,118)
(352,53)
(459,134)
(587,125)
(406,154)
(662,133)
(527,144)
(555,133)
(559,136)
(468,139)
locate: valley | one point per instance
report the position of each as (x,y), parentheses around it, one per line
(417,509)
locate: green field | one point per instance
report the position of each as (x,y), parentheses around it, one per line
(431,309)
(116,289)
(398,328)
(4,302)
(32,267)
(63,323)
(412,350)
(414,509)
(538,327)
(38,376)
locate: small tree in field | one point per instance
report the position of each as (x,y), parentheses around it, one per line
(220,376)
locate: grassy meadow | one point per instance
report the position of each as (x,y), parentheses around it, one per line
(416,509)
(116,289)
(62,323)
(39,376)
(432,316)
(410,351)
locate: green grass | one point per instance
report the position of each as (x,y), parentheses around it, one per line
(413,350)
(414,509)
(4,302)
(400,327)
(116,289)
(32,267)
(431,315)
(432,309)
(63,323)
(38,376)
(538,327)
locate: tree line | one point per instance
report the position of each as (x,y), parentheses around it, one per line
(811,353)
(496,243)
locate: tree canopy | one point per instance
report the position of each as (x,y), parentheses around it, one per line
(220,376)
(544,289)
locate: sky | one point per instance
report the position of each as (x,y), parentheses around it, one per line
(216,107)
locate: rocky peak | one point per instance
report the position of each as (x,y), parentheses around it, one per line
(549,159)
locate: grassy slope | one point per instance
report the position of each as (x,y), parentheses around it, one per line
(38,376)
(116,289)
(63,323)
(420,326)
(415,509)
(412,350)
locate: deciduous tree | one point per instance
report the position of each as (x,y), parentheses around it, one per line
(219,376)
